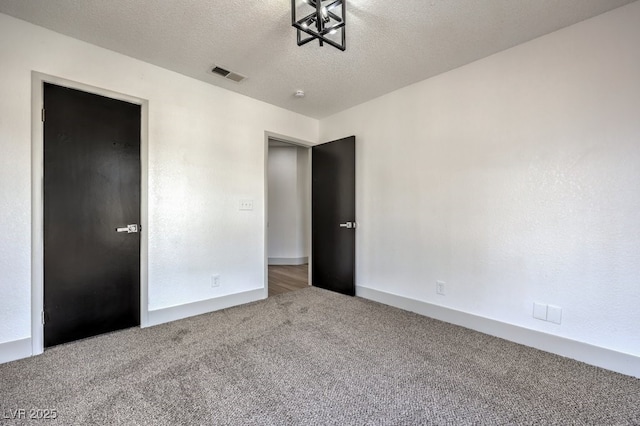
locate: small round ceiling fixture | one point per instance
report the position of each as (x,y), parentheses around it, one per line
(299,94)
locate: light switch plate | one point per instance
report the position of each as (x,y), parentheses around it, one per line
(246,205)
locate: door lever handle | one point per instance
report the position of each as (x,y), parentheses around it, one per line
(129,229)
(348,225)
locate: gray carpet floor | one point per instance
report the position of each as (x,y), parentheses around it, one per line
(312,357)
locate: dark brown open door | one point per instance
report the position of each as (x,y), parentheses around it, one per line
(91,188)
(333,215)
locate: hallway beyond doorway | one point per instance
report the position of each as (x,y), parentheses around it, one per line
(286,278)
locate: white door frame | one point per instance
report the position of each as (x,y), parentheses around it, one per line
(297,142)
(37,196)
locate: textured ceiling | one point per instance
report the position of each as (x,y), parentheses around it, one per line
(390,44)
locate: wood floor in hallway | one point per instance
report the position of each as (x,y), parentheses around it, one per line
(286,278)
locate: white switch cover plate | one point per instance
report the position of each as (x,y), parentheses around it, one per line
(554,314)
(540,311)
(246,204)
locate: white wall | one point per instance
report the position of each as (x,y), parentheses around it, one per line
(515,179)
(282,193)
(288,184)
(206,152)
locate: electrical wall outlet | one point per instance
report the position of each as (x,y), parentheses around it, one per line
(554,314)
(540,311)
(215,280)
(549,313)
(440,285)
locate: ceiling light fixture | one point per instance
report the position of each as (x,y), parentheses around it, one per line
(319,20)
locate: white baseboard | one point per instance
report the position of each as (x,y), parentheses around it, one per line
(16,349)
(173,313)
(600,357)
(288,260)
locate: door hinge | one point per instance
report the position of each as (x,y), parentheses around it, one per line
(42,317)
(42,115)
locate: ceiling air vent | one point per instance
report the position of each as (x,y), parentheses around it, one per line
(227,74)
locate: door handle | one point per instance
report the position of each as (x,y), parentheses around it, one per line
(348,225)
(129,229)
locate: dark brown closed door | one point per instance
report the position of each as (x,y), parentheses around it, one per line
(91,188)
(333,215)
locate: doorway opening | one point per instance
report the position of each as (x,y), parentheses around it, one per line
(288,216)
